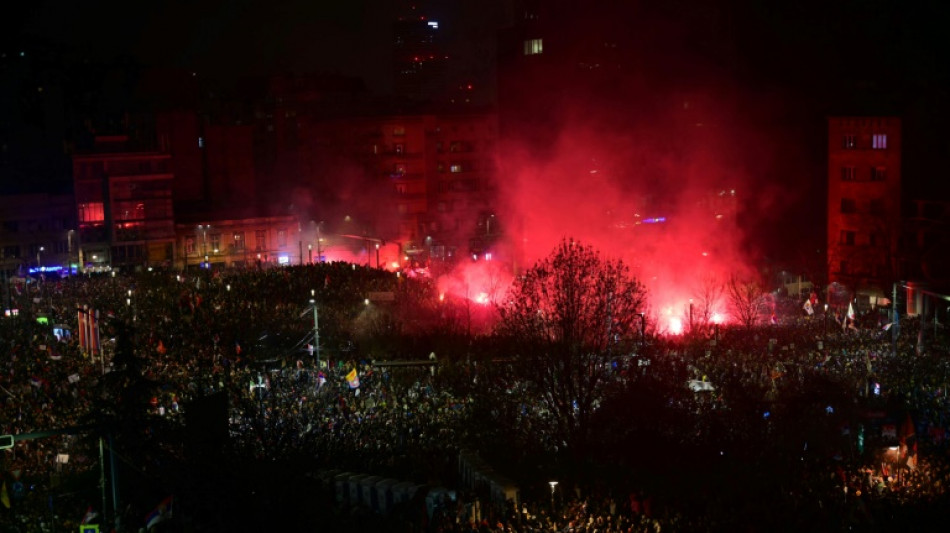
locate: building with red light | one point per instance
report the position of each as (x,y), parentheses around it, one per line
(124,205)
(419,58)
(426,181)
(864,202)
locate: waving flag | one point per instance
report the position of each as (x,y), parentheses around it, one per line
(160,513)
(89,516)
(353,379)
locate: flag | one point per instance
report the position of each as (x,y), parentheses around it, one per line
(908,442)
(89,516)
(81,316)
(160,513)
(353,379)
(5,496)
(808,308)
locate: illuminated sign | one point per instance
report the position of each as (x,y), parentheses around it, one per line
(283,259)
(34,270)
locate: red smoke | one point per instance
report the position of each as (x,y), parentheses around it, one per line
(662,194)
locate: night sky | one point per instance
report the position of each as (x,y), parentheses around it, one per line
(231,38)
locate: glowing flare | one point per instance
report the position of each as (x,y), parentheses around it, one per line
(718,318)
(676,326)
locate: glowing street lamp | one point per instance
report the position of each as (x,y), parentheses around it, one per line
(553,485)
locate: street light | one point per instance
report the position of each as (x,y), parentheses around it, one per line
(553,485)
(38,252)
(642,326)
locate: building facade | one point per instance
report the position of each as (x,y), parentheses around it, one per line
(124,204)
(239,242)
(864,202)
(425,181)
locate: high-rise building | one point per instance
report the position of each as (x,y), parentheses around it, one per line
(419,57)
(864,202)
(426,181)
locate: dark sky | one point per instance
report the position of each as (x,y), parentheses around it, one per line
(890,39)
(235,37)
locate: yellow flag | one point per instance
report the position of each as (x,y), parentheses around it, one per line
(4,496)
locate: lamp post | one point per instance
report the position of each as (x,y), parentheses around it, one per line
(316,329)
(642,316)
(377,255)
(553,484)
(825,321)
(39,262)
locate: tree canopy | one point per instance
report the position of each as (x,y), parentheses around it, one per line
(565,319)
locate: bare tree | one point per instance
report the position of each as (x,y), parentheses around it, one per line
(708,296)
(565,318)
(747,300)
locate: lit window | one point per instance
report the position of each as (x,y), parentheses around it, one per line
(847,173)
(215,242)
(455,167)
(849,142)
(91,212)
(201,142)
(400,148)
(189,246)
(399,130)
(399,169)
(533,47)
(879,141)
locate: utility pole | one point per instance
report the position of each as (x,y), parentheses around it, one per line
(316,330)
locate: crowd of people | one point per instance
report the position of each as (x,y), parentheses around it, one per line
(201,333)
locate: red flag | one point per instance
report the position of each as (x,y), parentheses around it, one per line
(82,329)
